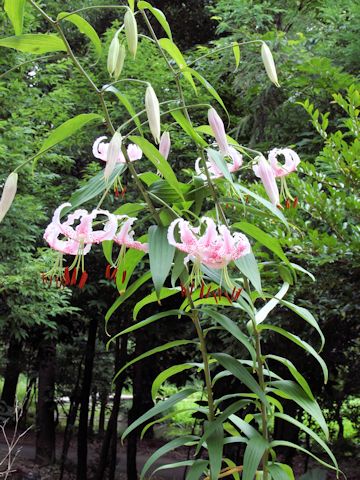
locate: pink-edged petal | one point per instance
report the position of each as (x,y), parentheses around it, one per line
(210,235)
(99,148)
(165,145)
(264,171)
(292,160)
(236,158)
(134,152)
(109,230)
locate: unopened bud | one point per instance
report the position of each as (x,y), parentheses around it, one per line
(112,154)
(120,62)
(217,126)
(113,54)
(8,194)
(165,144)
(131,32)
(269,64)
(153,112)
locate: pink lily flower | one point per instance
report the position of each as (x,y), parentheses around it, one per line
(216,248)
(78,240)
(214,170)
(100,150)
(125,236)
(292,160)
(264,171)
(217,126)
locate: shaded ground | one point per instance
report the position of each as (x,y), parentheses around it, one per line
(25,469)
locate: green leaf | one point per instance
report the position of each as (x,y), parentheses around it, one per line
(197,469)
(263,313)
(131,4)
(308,317)
(303,270)
(154,297)
(179,266)
(220,162)
(292,391)
(215,442)
(252,456)
(36,43)
(280,471)
(67,129)
(248,266)
(84,27)
(169,372)
(234,366)
(149,178)
(208,87)
(153,351)
(130,291)
(158,14)
(168,447)
(127,104)
(170,47)
(107,246)
(247,429)
(159,408)
(15,11)
(94,187)
(232,328)
(184,463)
(188,128)
(161,255)
(131,260)
(155,157)
(295,373)
(301,343)
(311,433)
(130,209)
(147,321)
(264,238)
(236,52)
(284,443)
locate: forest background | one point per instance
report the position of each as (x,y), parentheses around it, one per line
(58,336)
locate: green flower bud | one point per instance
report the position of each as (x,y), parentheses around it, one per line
(113,54)
(269,64)
(153,113)
(131,32)
(8,194)
(120,62)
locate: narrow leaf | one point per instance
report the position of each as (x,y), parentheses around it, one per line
(127,104)
(248,266)
(252,456)
(169,372)
(236,52)
(15,11)
(215,442)
(154,297)
(158,14)
(36,43)
(262,314)
(188,128)
(170,47)
(161,255)
(208,87)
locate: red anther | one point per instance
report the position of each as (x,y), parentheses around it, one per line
(66,276)
(227,205)
(108,272)
(233,293)
(123,278)
(287,203)
(73,277)
(113,275)
(182,289)
(228,297)
(216,299)
(83,278)
(279,206)
(296,201)
(50,280)
(208,291)
(43,278)
(219,293)
(202,290)
(116,192)
(238,294)
(123,191)
(247,199)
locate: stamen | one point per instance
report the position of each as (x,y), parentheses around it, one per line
(287,203)
(123,278)
(84,277)
(216,299)
(108,272)
(228,297)
(67,276)
(208,292)
(73,277)
(116,192)
(296,201)
(202,290)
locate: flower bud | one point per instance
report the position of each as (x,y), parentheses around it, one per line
(119,62)
(269,64)
(112,154)
(131,32)
(113,54)
(153,112)
(217,126)
(165,144)
(8,194)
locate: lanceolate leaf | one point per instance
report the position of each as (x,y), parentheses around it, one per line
(248,266)
(196,469)
(37,43)
(280,471)
(240,372)
(252,456)
(168,447)
(154,297)
(236,51)
(158,14)
(169,372)
(161,255)
(155,157)
(84,27)
(127,104)
(188,128)
(15,11)
(153,351)
(301,343)
(215,443)
(262,314)
(175,53)
(208,87)
(291,390)
(159,408)
(127,267)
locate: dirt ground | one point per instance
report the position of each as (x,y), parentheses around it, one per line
(25,468)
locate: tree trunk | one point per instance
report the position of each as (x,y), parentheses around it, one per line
(110,438)
(103,405)
(12,372)
(92,414)
(45,424)
(81,472)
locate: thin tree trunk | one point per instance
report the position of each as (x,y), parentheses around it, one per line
(45,424)
(81,471)
(12,372)
(92,414)
(110,437)
(103,405)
